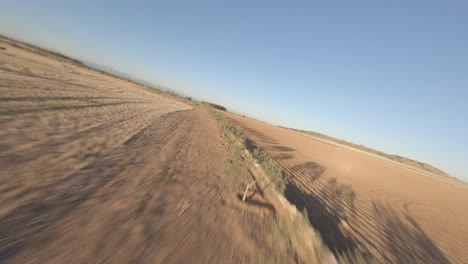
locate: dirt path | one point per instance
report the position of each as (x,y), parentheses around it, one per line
(154,198)
(96,169)
(359,202)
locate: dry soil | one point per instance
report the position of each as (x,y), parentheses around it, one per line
(360,202)
(97,169)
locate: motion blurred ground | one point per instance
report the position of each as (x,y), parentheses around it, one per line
(98,169)
(356,200)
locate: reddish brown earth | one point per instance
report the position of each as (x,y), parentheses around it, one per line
(359,202)
(97,169)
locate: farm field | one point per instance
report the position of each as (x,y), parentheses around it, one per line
(98,169)
(395,213)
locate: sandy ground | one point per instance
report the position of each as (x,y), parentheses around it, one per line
(96,169)
(359,202)
(417,168)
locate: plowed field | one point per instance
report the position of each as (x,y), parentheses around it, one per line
(358,201)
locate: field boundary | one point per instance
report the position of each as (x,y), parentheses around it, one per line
(293,227)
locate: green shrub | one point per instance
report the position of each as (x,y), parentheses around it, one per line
(275,173)
(216,106)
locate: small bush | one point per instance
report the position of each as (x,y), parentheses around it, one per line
(275,173)
(216,106)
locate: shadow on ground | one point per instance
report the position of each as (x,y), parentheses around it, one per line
(405,240)
(330,204)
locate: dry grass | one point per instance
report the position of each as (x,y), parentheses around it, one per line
(215,106)
(275,172)
(292,231)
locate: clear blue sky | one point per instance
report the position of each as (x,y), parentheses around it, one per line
(392,75)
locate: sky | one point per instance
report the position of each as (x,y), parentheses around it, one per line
(392,75)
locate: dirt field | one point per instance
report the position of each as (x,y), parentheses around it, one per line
(96,169)
(396,214)
(402,161)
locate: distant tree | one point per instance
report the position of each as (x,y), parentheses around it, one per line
(216,106)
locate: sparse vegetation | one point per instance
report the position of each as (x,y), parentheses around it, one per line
(292,231)
(236,166)
(216,106)
(275,172)
(301,241)
(297,235)
(265,221)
